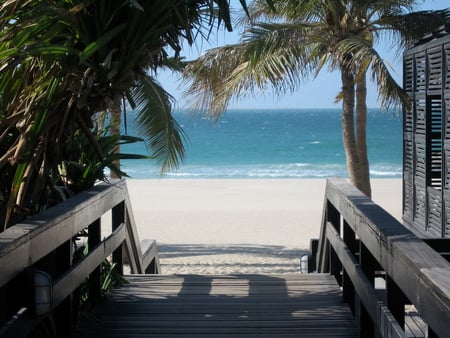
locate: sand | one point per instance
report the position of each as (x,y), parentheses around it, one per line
(237,226)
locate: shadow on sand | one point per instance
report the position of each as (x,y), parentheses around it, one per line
(236,258)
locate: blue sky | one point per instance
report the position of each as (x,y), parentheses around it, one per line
(319,92)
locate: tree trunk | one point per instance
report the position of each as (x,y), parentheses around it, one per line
(361,136)
(348,127)
(115,130)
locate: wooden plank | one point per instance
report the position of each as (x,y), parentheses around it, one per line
(414,325)
(133,241)
(150,256)
(118,218)
(214,305)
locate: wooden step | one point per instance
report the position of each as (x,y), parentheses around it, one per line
(293,305)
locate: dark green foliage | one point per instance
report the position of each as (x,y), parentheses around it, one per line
(62,62)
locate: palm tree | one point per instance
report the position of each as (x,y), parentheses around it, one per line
(292,40)
(62,62)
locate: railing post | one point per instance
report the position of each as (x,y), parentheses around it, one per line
(335,266)
(118,217)
(369,265)
(330,215)
(431,333)
(95,280)
(333,217)
(396,301)
(63,313)
(348,289)
(3,302)
(367,327)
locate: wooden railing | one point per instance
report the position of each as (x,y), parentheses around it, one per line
(381,265)
(46,242)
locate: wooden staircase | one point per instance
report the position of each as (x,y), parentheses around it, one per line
(359,243)
(293,305)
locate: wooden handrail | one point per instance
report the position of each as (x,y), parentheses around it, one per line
(359,239)
(29,244)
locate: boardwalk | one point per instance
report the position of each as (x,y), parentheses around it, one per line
(222,306)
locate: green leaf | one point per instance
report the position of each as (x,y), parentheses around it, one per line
(49,50)
(100,43)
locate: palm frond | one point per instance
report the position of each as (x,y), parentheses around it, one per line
(365,58)
(411,27)
(271,55)
(163,134)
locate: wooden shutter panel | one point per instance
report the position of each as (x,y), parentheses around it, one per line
(434,68)
(420,73)
(447,66)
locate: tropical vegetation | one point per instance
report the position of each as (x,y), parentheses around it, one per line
(64,66)
(291,40)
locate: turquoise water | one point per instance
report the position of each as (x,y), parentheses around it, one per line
(303,143)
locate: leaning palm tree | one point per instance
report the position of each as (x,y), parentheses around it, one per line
(293,40)
(63,62)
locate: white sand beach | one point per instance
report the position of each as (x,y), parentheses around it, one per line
(237,226)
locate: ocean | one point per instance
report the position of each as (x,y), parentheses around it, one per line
(291,143)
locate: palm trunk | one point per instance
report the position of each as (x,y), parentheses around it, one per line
(115,130)
(348,127)
(361,136)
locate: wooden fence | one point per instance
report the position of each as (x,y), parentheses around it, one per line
(362,244)
(47,242)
